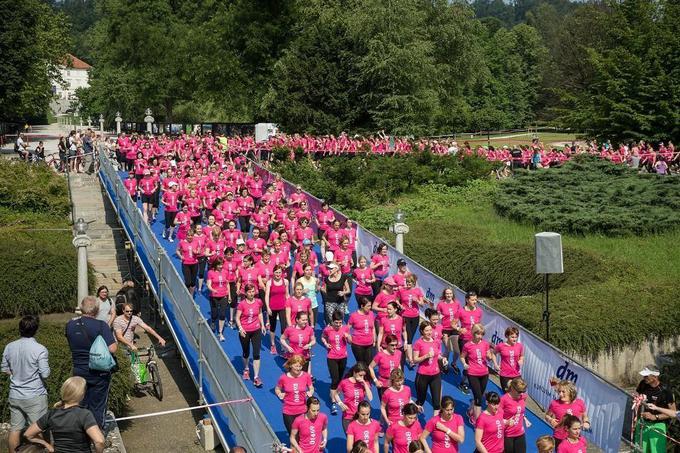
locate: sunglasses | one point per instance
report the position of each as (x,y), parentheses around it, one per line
(127,311)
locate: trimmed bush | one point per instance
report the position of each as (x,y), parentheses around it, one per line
(588,195)
(51,335)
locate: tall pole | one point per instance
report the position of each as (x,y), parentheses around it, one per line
(546,313)
(81,242)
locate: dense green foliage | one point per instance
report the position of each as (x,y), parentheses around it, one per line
(33,41)
(51,335)
(36,241)
(589,195)
(362,181)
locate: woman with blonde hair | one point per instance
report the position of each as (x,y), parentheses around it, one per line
(293,388)
(566,403)
(73,427)
(545,444)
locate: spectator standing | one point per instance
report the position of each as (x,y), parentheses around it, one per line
(73,427)
(107,312)
(81,333)
(652,423)
(26,361)
(88,148)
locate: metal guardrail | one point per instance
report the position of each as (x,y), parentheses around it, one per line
(209,366)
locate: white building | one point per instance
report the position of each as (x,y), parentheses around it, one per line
(75,73)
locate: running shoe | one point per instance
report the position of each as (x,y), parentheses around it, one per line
(464,388)
(257,382)
(471,415)
(273,350)
(171,239)
(221,337)
(334,409)
(246,375)
(164,235)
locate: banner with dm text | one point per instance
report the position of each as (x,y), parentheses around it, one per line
(605,403)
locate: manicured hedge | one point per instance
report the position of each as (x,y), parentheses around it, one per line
(51,335)
(589,195)
(358,182)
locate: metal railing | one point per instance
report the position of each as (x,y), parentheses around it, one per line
(209,366)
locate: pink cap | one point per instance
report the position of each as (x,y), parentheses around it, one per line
(390,281)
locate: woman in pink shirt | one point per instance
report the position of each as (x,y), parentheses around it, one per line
(386,295)
(363,338)
(468,316)
(574,442)
(188,251)
(567,402)
(334,338)
(353,389)
(380,264)
(511,357)
(218,285)
(364,278)
(448,307)
(309,432)
(246,206)
(404,432)
(251,327)
(296,303)
(392,324)
(275,295)
(394,398)
(426,353)
(411,299)
(474,355)
(363,428)
(447,429)
(299,339)
(386,360)
(490,426)
(324,218)
(513,407)
(293,388)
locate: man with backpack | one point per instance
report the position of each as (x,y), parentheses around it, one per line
(82,333)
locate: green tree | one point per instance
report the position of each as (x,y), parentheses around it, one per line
(33,42)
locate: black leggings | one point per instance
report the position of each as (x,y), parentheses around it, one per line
(254,337)
(201,267)
(411,327)
(362,353)
(170,218)
(336,368)
(505,381)
(190,272)
(434,382)
(515,444)
(218,308)
(288,421)
(280,314)
(234,295)
(478,386)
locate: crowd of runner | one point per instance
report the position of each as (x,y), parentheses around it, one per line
(251,247)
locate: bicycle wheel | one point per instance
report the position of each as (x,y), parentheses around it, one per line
(155,378)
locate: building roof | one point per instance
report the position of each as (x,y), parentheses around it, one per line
(75,62)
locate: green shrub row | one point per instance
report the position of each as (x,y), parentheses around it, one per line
(589,195)
(358,182)
(51,335)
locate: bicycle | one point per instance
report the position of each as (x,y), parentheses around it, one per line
(151,378)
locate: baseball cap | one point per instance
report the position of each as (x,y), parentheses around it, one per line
(172,183)
(240,241)
(147,172)
(650,370)
(306,242)
(332,266)
(401,262)
(390,281)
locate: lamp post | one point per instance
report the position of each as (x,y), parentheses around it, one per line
(548,261)
(81,241)
(101,124)
(148,119)
(118,121)
(400,229)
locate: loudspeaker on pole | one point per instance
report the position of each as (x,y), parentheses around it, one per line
(549,253)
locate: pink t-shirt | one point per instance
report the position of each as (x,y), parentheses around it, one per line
(559,409)
(512,408)
(448,312)
(190,251)
(294,389)
(402,436)
(568,447)
(475,354)
(392,326)
(467,320)
(395,402)
(409,302)
(363,328)
(361,277)
(337,340)
(430,366)
(441,442)
(344,259)
(297,305)
(367,432)
(382,299)
(386,363)
(493,429)
(310,432)
(250,312)
(219,282)
(352,394)
(298,338)
(248,276)
(170,201)
(384,265)
(509,359)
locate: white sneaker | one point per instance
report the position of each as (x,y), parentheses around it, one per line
(164,235)
(171,239)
